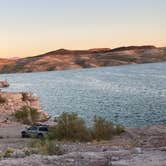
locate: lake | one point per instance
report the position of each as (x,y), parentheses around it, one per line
(132,95)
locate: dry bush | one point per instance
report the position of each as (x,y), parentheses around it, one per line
(72,128)
(27,115)
(2,100)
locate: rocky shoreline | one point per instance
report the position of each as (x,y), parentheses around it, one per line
(144,146)
(10,102)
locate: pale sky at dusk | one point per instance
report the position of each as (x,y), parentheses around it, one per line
(32,27)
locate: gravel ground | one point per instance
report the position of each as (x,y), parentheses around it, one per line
(120,151)
(120,157)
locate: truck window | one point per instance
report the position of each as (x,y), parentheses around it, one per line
(43,129)
(33,128)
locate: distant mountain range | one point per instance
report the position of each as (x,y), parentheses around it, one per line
(63,59)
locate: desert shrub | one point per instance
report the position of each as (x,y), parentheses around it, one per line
(27,151)
(27,115)
(24,96)
(1,155)
(22,115)
(73,128)
(46,146)
(119,129)
(8,152)
(2,100)
(102,129)
(34,114)
(70,127)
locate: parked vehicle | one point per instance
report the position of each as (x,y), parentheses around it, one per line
(35,131)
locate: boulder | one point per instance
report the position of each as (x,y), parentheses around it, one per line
(4,84)
(137,150)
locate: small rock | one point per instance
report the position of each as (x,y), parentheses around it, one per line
(104,150)
(162,148)
(137,151)
(18,154)
(119,163)
(115,158)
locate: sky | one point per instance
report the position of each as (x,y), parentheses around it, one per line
(32,27)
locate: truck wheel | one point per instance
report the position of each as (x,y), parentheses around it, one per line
(23,135)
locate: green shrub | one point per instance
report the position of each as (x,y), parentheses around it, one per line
(46,146)
(22,115)
(119,129)
(1,155)
(34,114)
(27,115)
(8,152)
(102,129)
(70,127)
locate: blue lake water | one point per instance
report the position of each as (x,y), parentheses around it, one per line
(132,95)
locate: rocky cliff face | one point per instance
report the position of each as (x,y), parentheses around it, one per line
(75,59)
(11,102)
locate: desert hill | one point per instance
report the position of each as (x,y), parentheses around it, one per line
(63,59)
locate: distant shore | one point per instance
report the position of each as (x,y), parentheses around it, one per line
(63,59)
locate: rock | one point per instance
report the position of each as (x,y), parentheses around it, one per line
(4,84)
(85,159)
(120,163)
(18,154)
(137,151)
(115,158)
(163,148)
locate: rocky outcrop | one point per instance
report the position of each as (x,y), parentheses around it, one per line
(11,102)
(133,48)
(4,84)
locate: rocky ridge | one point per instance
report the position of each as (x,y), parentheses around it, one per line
(63,59)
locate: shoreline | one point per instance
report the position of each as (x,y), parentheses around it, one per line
(89,68)
(78,59)
(137,146)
